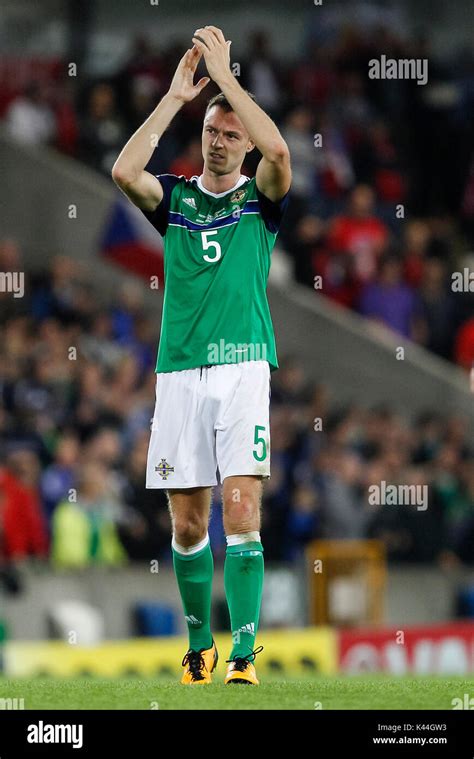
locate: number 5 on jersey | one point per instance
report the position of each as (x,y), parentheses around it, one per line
(206,244)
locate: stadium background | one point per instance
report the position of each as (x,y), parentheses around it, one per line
(84,548)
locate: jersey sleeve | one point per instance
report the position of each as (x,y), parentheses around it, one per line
(160,216)
(271,211)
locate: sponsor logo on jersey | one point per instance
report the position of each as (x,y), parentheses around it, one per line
(238,196)
(191,202)
(164,469)
(211,216)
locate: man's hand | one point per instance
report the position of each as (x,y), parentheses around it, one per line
(182,87)
(211,43)
(129,172)
(273,175)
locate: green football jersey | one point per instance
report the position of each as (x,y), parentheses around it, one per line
(217,255)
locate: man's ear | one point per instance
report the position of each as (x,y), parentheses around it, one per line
(250,146)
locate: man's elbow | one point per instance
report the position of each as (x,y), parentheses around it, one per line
(278,152)
(121,176)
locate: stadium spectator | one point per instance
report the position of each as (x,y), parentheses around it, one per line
(411,534)
(139,82)
(102,131)
(298,134)
(307,248)
(389,301)
(22,528)
(97,344)
(302,521)
(336,172)
(128,307)
(384,165)
(464,345)
(276,509)
(30,118)
(333,274)
(351,109)
(84,531)
(438,307)
(416,239)
(144,530)
(342,507)
(59,478)
(58,294)
(190,162)
(261,73)
(291,387)
(67,126)
(360,233)
(313,78)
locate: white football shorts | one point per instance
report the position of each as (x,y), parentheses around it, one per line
(210,423)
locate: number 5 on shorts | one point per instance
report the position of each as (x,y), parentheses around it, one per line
(260,440)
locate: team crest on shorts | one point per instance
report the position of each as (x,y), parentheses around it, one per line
(237,196)
(164,469)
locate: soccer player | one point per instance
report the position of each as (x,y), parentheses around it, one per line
(217,347)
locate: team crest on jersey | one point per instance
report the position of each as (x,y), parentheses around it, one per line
(164,469)
(237,196)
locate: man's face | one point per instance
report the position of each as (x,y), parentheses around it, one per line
(225,141)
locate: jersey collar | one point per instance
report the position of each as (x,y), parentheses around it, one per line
(240,182)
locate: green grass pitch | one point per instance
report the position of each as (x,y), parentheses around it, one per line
(351,692)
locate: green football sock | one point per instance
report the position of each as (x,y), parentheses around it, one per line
(194,573)
(243,582)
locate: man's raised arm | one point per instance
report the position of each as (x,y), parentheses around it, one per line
(273,172)
(143,189)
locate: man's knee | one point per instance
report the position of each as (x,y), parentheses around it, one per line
(190,512)
(189,529)
(241,512)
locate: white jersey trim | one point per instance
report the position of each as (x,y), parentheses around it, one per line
(240,182)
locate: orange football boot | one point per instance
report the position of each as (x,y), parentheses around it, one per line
(198,666)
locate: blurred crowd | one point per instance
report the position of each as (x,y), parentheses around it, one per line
(382,201)
(76,402)
(381,214)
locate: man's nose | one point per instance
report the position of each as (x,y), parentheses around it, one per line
(216,140)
